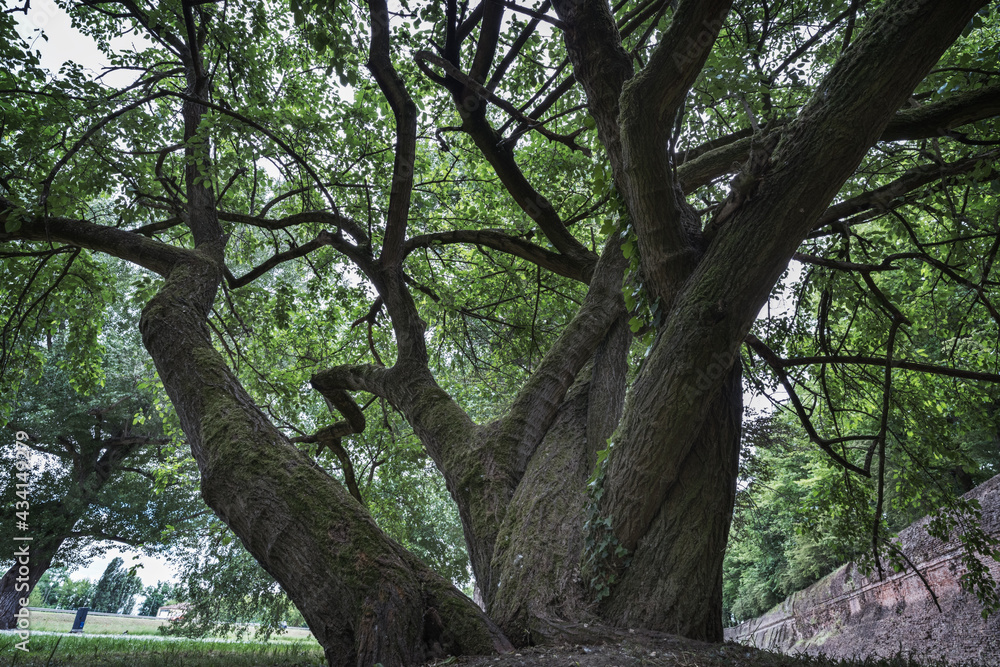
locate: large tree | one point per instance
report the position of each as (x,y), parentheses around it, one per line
(461,164)
(103,471)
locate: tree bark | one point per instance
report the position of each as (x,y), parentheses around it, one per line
(539,595)
(674,580)
(365,598)
(21,579)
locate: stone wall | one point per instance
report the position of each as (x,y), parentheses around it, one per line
(848,615)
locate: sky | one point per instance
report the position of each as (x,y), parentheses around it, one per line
(150,570)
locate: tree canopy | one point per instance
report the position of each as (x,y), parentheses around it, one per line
(103,468)
(551,238)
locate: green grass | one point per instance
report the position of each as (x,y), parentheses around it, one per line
(73,651)
(50,621)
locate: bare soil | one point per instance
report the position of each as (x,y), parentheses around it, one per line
(660,650)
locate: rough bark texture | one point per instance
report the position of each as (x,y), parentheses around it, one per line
(519,482)
(674,582)
(18,583)
(365,598)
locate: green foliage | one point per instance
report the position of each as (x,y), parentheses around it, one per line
(798,517)
(226,591)
(290,90)
(962,522)
(115,591)
(603,556)
(56,590)
(161,594)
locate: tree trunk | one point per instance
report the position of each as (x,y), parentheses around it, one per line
(674,580)
(21,579)
(539,596)
(365,598)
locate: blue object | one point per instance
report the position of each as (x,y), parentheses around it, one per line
(81,618)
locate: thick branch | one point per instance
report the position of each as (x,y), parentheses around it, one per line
(881,198)
(405,112)
(932,120)
(350,226)
(538,401)
(519,247)
(147,253)
(722,156)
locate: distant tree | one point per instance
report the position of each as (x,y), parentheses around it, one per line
(47,590)
(105,468)
(57,591)
(162,593)
(796,520)
(116,589)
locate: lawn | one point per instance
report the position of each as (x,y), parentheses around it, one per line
(55,621)
(75,651)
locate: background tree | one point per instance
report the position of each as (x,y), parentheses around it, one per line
(687,151)
(790,528)
(163,593)
(56,590)
(105,470)
(115,591)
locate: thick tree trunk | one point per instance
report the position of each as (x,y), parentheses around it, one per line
(538,548)
(674,580)
(539,596)
(364,597)
(21,579)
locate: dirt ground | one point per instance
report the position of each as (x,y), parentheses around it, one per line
(658,650)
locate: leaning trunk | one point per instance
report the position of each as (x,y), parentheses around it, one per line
(21,579)
(365,598)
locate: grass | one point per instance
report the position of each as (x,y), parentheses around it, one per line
(50,621)
(74,651)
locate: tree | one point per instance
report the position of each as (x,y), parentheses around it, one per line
(829,114)
(156,596)
(103,470)
(115,591)
(67,594)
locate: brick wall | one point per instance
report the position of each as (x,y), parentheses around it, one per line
(847,615)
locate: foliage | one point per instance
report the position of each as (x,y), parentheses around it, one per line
(161,594)
(105,469)
(115,591)
(227,590)
(56,590)
(798,517)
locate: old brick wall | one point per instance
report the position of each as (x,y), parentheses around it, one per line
(847,615)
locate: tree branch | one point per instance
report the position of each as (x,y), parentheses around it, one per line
(518,247)
(147,253)
(405,112)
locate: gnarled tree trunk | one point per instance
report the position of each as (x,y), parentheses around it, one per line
(365,598)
